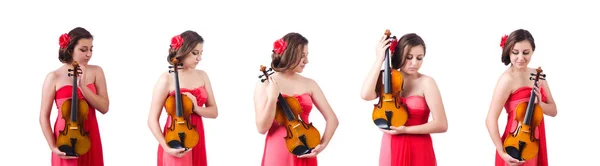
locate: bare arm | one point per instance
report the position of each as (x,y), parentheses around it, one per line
(158,100)
(368,91)
(264,107)
(501,93)
(439,123)
(99,101)
(323,106)
(210,110)
(549,107)
(48,94)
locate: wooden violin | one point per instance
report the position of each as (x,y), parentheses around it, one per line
(521,144)
(181,133)
(74,139)
(301,137)
(390,111)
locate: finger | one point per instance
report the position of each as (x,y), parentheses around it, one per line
(382,38)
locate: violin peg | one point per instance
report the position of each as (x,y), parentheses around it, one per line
(263,80)
(171,71)
(532,74)
(70,74)
(170,67)
(70,69)
(530,78)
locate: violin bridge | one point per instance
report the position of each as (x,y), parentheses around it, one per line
(180,122)
(387,100)
(296,125)
(74,128)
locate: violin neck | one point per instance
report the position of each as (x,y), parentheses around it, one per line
(387,74)
(178,103)
(74,98)
(285,107)
(530,105)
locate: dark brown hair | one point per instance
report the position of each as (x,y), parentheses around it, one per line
(292,54)
(515,37)
(65,55)
(190,40)
(405,43)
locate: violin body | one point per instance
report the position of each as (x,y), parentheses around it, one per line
(181,125)
(181,133)
(301,137)
(390,111)
(524,136)
(522,144)
(74,139)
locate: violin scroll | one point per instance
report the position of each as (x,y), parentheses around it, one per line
(266,73)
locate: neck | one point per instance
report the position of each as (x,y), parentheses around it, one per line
(185,69)
(518,69)
(287,74)
(410,76)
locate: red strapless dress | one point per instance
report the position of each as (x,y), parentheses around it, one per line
(275,151)
(94,156)
(409,149)
(522,95)
(198,155)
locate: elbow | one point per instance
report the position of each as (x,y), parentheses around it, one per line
(334,122)
(553,114)
(367,96)
(262,130)
(214,113)
(104,110)
(443,128)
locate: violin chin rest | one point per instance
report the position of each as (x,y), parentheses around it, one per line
(175,144)
(301,150)
(382,123)
(513,152)
(69,151)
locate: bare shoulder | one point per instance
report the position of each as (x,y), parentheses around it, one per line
(51,77)
(506,77)
(307,81)
(201,73)
(95,68)
(164,77)
(426,79)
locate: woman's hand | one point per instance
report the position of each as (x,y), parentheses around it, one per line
(177,152)
(538,94)
(193,98)
(81,81)
(383,45)
(318,149)
(509,160)
(395,130)
(61,154)
(272,89)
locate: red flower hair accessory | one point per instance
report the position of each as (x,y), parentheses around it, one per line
(64,40)
(176,42)
(279,46)
(503,40)
(393,45)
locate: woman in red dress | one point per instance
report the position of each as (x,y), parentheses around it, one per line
(411,144)
(75,46)
(513,88)
(195,84)
(289,58)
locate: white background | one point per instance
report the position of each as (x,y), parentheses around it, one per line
(463,56)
